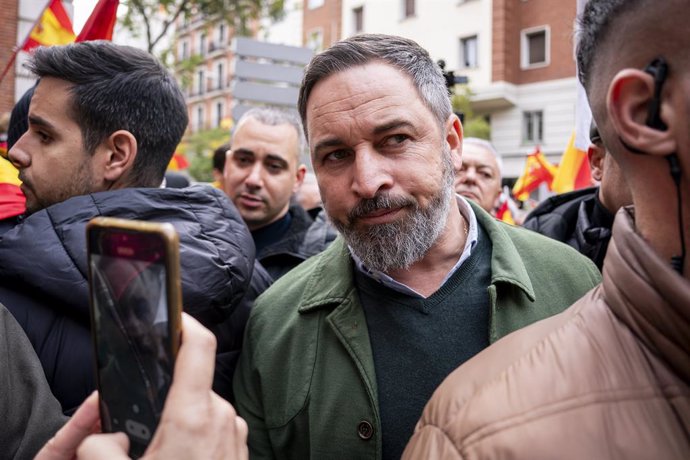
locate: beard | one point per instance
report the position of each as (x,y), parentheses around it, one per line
(399,244)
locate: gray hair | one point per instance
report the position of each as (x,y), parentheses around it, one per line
(401,53)
(486,145)
(274,116)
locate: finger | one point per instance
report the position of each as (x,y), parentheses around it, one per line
(242,431)
(113,446)
(83,423)
(195,362)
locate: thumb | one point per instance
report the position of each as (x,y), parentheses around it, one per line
(113,446)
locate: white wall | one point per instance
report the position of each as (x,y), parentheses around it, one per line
(437,26)
(287,31)
(557,101)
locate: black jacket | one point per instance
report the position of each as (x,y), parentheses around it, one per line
(576,218)
(304,238)
(43,274)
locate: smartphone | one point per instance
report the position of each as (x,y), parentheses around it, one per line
(136,303)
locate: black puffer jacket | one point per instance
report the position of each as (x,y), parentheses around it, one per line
(576,218)
(43,271)
(304,238)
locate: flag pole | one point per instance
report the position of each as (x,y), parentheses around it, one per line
(18,47)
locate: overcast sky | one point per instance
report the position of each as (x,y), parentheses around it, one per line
(82,10)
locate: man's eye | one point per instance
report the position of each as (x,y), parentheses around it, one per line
(336,155)
(395,140)
(274,167)
(243,161)
(43,137)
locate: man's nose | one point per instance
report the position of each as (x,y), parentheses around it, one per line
(255,177)
(370,173)
(469,175)
(18,155)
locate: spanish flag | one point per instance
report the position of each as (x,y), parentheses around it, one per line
(178,162)
(537,171)
(101,23)
(573,170)
(53,28)
(12,200)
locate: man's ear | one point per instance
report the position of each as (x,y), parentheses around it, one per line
(301,171)
(596,161)
(454,135)
(628,102)
(121,152)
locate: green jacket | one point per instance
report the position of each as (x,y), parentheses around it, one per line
(305,381)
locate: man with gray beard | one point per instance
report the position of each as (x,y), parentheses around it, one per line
(341,354)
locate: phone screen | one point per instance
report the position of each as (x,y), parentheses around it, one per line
(133,337)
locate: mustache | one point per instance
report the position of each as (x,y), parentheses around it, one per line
(379,202)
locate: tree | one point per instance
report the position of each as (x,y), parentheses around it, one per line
(156,18)
(474,125)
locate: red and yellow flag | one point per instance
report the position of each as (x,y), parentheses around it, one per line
(573,170)
(53,28)
(537,171)
(12,200)
(178,162)
(101,23)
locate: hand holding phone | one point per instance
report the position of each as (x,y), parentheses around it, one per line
(135,315)
(196,423)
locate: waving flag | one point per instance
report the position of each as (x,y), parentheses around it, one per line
(537,171)
(53,28)
(101,23)
(573,170)
(12,200)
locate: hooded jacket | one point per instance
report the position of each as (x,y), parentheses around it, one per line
(304,238)
(43,275)
(607,378)
(577,219)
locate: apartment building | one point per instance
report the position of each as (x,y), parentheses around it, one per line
(203,55)
(517,55)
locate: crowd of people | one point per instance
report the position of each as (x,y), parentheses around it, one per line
(391,314)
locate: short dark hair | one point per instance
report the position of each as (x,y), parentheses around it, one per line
(401,53)
(595,23)
(119,87)
(219,157)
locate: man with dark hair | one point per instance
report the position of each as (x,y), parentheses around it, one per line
(263,170)
(103,124)
(342,353)
(583,218)
(218,165)
(610,376)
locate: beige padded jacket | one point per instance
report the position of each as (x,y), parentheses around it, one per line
(609,378)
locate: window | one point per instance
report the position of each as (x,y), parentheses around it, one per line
(311,4)
(532,126)
(221,35)
(358,19)
(200,82)
(408,8)
(315,40)
(202,44)
(184,52)
(220,75)
(534,44)
(200,118)
(468,52)
(218,117)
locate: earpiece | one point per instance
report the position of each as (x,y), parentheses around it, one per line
(659,70)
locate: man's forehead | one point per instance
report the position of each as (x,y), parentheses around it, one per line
(52,101)
(280,139)
(478,156)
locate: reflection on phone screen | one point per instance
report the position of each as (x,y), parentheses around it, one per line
(132,336)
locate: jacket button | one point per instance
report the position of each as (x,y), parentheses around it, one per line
(365,430)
